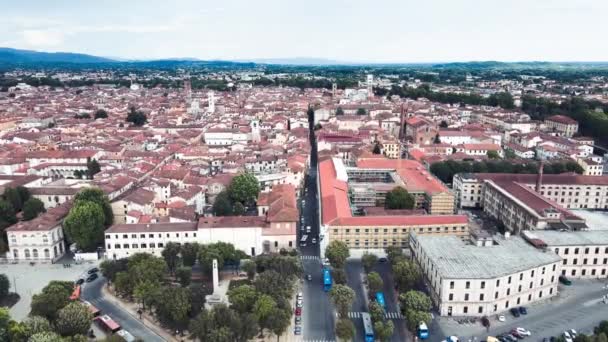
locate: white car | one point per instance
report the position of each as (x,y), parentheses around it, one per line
(325,262)
(299,303)
(567,337)
(299,295)
(501,318)
(573,333)
(314,240)
(523,331)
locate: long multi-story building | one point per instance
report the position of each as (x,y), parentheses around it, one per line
(568,190)
(343,222)
(486,275)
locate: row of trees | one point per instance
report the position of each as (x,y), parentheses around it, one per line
(93,168)
(240,194)
(88,218)
(186,255)
(501,99)
(445,170)
(12,201)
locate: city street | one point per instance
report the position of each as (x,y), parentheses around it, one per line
(391,299)
(92,293)
(318,318)
(576,307)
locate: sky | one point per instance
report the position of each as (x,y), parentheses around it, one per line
(377,31)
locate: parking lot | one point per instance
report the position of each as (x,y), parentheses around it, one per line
(578,307)
(28,280)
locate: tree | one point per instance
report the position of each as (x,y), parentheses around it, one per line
(206,254)
(101,114)
(31,208)
(47,336)
(509,153)
(345,329)
(54,297)
(189,251)
(339,276)
(493,155)
(399,198)
(376,311)
(343,297)
(337,252)
(172,307)
(263,309)
(384,330)
(361,111)
(437,139)
(93,168)
(36,324)
(5,286)
(24,193)
(249,267)
(7,214)
(601,328)
(374,282)
(123,284)
(339,111)
(415,317)
(601,337)
(73,319)
(394,254)
(84,225)
(274,284)
(443,124)
(377,149)
(5,319)
(368,260)
(222,206)
(238,209)
(406,274)
(146,292)
(171,255)
(109,268)
(242,298)
(136,117)
(184,275)
(96,195)
(415,300)
(244,188)
(146,267)
(11,195)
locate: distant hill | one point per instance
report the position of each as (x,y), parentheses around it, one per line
(295,61)
(16,56)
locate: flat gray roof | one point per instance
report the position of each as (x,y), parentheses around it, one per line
(573,238)
(457,259)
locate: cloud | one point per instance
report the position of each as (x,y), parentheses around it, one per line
(44,38)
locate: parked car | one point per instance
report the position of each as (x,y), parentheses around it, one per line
(573,333)
(523,310)
(511,338)
(299,295)
(382,259)
(92,277)
(308,277)
(567,337)
(514,312)
(297,330)
(298,320)
(299,303)
(523,331)
(564,280)
(298,311)
(93,270)
(79,281)
(517,334)
(314,241)
(501,318)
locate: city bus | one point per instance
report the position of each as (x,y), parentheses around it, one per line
(380,300)
(107,324)
(93,310)
(423,331)
(368,328)
(326,280)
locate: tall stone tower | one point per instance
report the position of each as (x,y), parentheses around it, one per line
(188,89)
(370,85)
(211,99)
(255,130)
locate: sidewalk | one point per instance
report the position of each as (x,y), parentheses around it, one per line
(146,319)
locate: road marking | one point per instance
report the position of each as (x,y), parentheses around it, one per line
(388,315)
(309,257)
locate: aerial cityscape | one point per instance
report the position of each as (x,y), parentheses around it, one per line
(311,172)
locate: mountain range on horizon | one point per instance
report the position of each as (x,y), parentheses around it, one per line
(13,56)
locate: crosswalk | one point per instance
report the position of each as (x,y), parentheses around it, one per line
(318,341)
(310,257)
(388,315)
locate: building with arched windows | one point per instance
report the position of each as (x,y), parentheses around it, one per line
(40,239)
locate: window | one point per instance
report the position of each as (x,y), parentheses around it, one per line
(117,246)
(451,296)
(150,236)
(508,292)
(531,284)
(483,284)
(496,295)
(468,285)
(143,245)
(451,285)
(543,270)
(466,297)
(573,272)
(125,236)
(465,309)
(540,294)
(584,272)
(521,276)
(134,245)
(529,297)
(276,244)
(152,245)
(133,236)
(532,274)
(584,261)
(107,237)
(125,246)
(552,278)
(161,245)
(480,309)
(519,288)
(587,250)
(497,282)
(142,235)
(576,251)
(506,304)
(554,268)
(566,250)
(597,250)
(509,280)
(481,296)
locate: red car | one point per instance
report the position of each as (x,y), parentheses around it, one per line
(298,311)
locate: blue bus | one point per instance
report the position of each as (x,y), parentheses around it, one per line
(380,300)
(368,328)
(423,331)
(326,280)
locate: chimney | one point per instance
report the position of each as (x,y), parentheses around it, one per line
(539,178)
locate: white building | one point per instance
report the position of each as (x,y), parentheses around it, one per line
(486,276)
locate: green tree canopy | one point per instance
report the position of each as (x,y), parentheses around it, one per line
(249,267)
(337,252)
(189,252)
(171,255)
(406,274)
(47,336)
(54,297)
(36,324)
(101,114)
(93,168)
(222,206)
(345,329)
(343,297)
(5,286)
(96,195)
(339,111)
(414,318)
(399,198)
(376,149)
(415,300)
(184,275)
(374,282)
(361,111)
(109,268)
(136,117)
(74,319)
(7,215)
(368,260)
(84,225)
(172,307)
(244,188)
(493,155)
(243,298)
(12,196)
(31,208)
(384,330)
